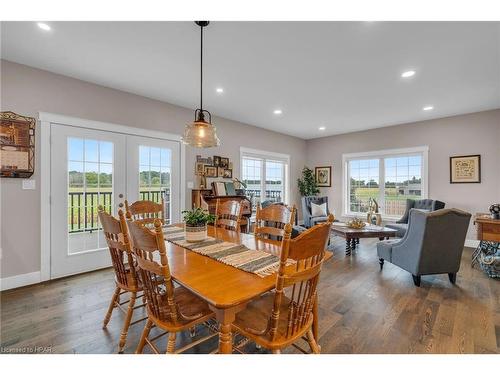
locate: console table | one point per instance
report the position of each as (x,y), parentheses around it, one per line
(488,230)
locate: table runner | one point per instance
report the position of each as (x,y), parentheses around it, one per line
(235,255)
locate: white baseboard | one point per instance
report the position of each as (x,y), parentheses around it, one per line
(472,243)
(20,280)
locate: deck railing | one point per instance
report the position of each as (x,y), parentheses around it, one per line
(82,207)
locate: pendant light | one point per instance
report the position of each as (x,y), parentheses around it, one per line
(201,132)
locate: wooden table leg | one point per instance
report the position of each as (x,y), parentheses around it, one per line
(226,317)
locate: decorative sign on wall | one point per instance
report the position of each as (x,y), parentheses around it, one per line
(465,169)
(17,145)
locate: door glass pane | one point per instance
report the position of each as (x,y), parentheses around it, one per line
(251,175)
(275,178)
(403,180)
(363,183)
(154,176)
(90,184)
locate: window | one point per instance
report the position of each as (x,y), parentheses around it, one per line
(266,175)
(390,177)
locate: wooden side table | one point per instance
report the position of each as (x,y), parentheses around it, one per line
(488,230)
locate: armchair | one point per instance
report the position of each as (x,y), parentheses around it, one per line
(309,220)
(422,204)
(433,244)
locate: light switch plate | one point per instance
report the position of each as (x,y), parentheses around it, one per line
(29,184)
(190,185)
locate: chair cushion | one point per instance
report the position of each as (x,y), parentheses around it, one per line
(318,219)
(401,228)
(384,249)
(318,209)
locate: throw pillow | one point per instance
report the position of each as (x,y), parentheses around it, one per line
(318,209)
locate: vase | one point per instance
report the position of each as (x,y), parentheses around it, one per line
(196,233)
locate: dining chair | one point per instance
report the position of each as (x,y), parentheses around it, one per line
(278,319)
(271,220)
(144,212)
(126,281)
(169,308)
(228,215)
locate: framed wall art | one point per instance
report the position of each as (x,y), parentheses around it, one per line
(17,145)
(323,176)
(465,169)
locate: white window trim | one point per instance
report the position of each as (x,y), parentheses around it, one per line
(421,150)
(261,154)
(46,119)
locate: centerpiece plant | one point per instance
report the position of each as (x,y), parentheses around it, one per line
(196,221)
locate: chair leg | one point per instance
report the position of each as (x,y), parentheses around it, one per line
(452,277)
(276,351)
(126,323)
(381,262)
(171,342)
(116,294)
(144,336)
(416,280)
(315,348)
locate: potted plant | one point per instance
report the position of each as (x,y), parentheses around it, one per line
(196,221)
(307,184)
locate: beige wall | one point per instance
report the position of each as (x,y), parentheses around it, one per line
(476,133)
(27,91)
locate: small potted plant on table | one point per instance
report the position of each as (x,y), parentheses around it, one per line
(195,224)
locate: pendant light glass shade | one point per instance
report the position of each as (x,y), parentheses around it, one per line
(201,133)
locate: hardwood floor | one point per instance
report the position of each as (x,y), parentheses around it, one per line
(361,309)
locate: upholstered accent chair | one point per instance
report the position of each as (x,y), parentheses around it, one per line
(309,220)
(433,244)
(422,204)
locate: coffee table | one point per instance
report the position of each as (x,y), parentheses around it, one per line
(352,235)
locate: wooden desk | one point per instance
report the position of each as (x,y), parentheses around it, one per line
(488,230)
(226,289)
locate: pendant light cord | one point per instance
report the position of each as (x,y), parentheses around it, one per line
(201,70)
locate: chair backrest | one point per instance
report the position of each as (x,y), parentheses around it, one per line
(155,276)
(144,212)
(306,208)
(228,215)
(421,204)
(117,238)
(270,221)
(300,280)
(438,238)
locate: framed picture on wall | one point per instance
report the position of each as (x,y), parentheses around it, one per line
(323,176)
(220,172)
(465,169)
(200,168)
(210,171)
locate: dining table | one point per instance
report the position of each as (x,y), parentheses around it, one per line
(225,288)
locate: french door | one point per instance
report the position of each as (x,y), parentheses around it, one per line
(92,168)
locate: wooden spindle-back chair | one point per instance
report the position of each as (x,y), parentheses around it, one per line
(145,212)
(126,280)
(172,309)
(228,215)
(277,320)
(270,221)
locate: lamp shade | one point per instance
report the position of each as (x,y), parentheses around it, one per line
(200,134)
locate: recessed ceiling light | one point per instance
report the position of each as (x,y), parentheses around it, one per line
(428,108)
(321,128)
(43,26)
(277,111)
(219,90)
(408,74)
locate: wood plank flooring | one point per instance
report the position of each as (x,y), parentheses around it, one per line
(361,309)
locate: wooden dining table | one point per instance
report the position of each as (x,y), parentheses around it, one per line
(225,288)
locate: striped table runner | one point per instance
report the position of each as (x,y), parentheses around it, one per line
(238,256)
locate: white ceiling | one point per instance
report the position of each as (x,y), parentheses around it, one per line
(341,75)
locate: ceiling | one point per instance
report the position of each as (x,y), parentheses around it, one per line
(345,76)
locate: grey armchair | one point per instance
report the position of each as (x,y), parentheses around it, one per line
(433,244)
(310,220)
(422,204)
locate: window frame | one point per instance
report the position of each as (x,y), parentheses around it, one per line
(381,156)
(270,156)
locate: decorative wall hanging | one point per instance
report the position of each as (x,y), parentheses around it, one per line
(465,169)
(323,176)
(17,145)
